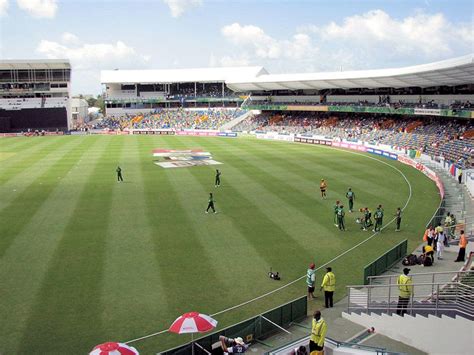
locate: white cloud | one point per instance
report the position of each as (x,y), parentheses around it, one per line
(39,8)
(70,38)
(89,55)
(429,35)
(254,39)
(229,61)
(87,59)
(3,7)
(178,7)
(369,40)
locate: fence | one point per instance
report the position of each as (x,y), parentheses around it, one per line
(257,327)
(386,261)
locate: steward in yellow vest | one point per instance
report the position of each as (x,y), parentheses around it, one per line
(329,286)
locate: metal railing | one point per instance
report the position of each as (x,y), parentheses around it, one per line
(451,298)
(329,344)
(423,277)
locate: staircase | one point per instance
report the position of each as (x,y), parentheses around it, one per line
(427,333)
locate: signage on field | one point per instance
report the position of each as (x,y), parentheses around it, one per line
(171,158)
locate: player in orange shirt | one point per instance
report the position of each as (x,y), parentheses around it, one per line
(323,186)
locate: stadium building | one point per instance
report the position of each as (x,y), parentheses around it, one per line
(136,91)
(34,95)
(434,86)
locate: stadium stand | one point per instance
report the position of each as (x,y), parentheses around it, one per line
(172,119)
(34,95)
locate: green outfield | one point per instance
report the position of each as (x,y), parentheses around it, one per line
(84,259)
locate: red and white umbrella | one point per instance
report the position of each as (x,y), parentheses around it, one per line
(193,322)
(112,348)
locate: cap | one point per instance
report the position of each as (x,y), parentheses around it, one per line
(406,270)
(312,266)
(239,341)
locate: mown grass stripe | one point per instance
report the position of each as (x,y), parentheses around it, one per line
(15,165)
(178,251)
(17,183)
(195,184)
(69,302)
(31,198)
(130,262)
(28,257)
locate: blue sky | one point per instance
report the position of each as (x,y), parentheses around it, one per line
(283,36)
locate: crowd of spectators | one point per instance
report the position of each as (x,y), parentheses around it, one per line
(383,101)
(171,119)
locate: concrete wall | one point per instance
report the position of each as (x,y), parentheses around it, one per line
(430,334)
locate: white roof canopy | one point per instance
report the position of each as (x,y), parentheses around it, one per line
(457,71)
(34,64)
(201,75)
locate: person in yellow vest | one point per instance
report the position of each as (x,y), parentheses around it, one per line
(405,286)
(318,334)
(462,247)
(329,286)
(323,186)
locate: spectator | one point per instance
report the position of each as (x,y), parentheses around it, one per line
(462,247)
(233,346)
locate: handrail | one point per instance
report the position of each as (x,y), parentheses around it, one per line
(432,297)
(413,284)
(422,273)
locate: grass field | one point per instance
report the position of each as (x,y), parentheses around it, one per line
(84,259)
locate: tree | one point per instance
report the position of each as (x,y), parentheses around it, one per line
(100,103)
(91,101)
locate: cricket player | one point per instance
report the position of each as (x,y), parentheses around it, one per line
(398,215)
(218,178)
(378,215)
(336,208)
(323,186)
(340,218)
(119,174)
(351,197)
(210,204)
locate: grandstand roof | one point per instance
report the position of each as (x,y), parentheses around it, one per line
(450,72)
(202,75)
(35,64)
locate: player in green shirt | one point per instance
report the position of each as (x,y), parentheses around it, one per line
(340,218)
(336,208)
(367,222)
(351,197)
(210,204)
(119,174)
(398,215)
(378,215)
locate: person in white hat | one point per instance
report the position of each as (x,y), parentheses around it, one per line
(237,345)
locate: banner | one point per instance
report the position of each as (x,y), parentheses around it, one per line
(425,170)
(276,136)
(427,111)
(197,133)
(161,132)
(303,139)
(227,134)
(351,146)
